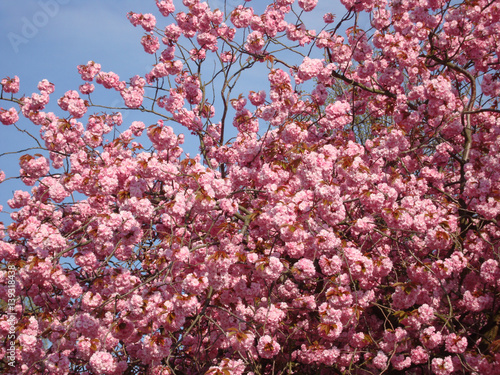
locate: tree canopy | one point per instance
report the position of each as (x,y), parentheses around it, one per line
(342,215)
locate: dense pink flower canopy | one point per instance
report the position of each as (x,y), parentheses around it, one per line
(342,215)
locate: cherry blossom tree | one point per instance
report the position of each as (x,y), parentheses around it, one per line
(292,244)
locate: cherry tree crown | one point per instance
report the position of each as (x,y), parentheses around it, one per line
(341,216)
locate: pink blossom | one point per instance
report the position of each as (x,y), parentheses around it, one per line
(319,94)
(102,362)
(337,115)
(330,266)
(426,314)
(233,367)
(241,17)
(455,344)
(33,168)
(308,5)
(419,355)
(304,269)
(273,268)
(137,127)
(245,122)
(490,271)
(188,24)
(227,57)
(431,338)
(255,42)
(87,88)
(273,22)
(172,34)
(400,362)
(72,103)
(329,18)
(147,21)
(46,86)
(150,43)
(114,119)
(268,347)
(28,341)
(490,86)
(166,7)
(89,71)
(8,117)
(309,68)
(238,104)
(91,301)
(163,69)
(380,360)
(173,103)
(271,316)
(10,85)
(108,80)
(442,366)
(257,98)
(168,54)
(133,96)
(198,54)
(195,285)
(188,119)
(137,81)
(57,363)
(56,191)
(476,301)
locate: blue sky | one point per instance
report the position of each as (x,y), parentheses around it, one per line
(76,33)
(47,39)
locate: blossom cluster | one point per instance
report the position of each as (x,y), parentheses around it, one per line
(341,218)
